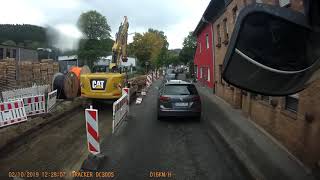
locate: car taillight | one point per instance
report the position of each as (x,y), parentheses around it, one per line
(164,98)
(197,98)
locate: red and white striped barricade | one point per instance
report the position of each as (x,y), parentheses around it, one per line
(34,105)
(51,100)
(120,111)
(158,74)
(149,80)
(12,112)
(154,76)
(92,130)
(126,91)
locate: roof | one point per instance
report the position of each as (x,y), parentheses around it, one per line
(213,11)
(16,46)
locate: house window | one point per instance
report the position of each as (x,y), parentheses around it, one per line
(207,41)
(226,32)
(1,53)
(200,47)
(235,13)
(14,53)
(201,72)
(284,3)
(218,36)
(292,102)
(8,53)
(209,74)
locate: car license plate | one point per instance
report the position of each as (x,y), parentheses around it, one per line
(180,104)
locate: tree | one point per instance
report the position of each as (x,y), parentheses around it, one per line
(150,47)
(97,42)
(94,25)
(189,47)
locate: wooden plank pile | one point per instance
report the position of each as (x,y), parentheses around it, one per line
(26,73)
(36,73)
(11,73)
(3,75)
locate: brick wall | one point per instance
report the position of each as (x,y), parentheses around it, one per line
(298,131)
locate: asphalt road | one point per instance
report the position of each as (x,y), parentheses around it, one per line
(177,148)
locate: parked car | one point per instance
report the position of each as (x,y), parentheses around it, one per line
(170,75)
(178,98)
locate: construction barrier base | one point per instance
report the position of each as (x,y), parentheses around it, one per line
(93,162)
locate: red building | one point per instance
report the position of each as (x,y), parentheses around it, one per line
(204,56)
(203,59)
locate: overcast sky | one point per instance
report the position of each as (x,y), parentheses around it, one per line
(175,17)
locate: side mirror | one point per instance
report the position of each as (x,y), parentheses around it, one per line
(272,51)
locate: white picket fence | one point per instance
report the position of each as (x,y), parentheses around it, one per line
(24,92)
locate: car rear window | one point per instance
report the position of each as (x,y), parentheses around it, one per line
(180,89)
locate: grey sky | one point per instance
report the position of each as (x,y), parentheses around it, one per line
(175,17)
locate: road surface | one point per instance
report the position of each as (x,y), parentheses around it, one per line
(145,147)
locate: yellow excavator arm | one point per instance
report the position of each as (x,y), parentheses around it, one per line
(119,49)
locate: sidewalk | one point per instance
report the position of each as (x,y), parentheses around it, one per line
(261,155)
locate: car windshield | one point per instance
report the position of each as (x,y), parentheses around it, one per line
(100,69)
(180,89)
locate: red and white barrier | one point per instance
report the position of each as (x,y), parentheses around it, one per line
(154,77)
(120,111)
(126,91)
(149,80)
(34,105)
(92,130)
(52,99)
(12,112)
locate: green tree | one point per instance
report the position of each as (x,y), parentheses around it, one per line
(97,42)
(150,47)
(189,47)
(94,25)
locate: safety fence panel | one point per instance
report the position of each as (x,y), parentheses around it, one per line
(24,92)
(52,99)
(34,105)
(12,112)
(120,111)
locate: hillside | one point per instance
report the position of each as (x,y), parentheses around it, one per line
(23,35)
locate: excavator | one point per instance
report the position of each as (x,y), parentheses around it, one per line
(106,81)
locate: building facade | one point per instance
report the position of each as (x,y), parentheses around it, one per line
(294,120)
(18,53)
(203,59)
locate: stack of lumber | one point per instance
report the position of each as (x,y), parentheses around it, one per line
(36,73)
(25,74)
(22,74)
(3,75)
(11,73)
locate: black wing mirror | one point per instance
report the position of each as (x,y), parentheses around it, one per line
(272,51)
